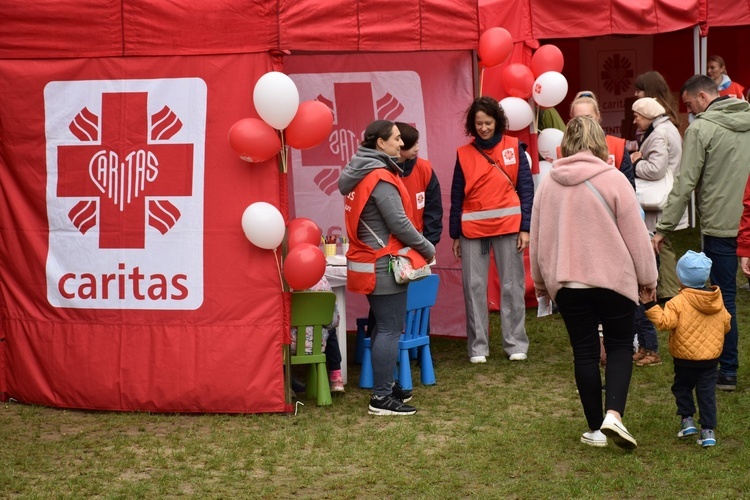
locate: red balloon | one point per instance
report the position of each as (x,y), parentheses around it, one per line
(254,140)
(518,80)
(310,126)
(304,265)
(302,230)
(547,58)
(495,46)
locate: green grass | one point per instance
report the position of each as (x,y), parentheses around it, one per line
(500,430)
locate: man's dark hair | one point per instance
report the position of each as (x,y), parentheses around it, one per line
(409,135)
(699,83)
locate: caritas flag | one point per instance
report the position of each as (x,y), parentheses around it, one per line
(127,282)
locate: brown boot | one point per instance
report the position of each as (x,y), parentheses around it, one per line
(640,354)
(651,358)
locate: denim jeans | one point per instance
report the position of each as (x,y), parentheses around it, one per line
(644,330)
(723,254)
(390,315)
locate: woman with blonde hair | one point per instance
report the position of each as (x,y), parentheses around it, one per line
(585,104)
(717,71)
(590,253)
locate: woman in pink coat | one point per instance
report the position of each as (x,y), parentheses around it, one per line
(590,253)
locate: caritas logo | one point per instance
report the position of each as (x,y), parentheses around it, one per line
(125,164)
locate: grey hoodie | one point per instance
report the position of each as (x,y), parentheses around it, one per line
(384,213)
(716,163)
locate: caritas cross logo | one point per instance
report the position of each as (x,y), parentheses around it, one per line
(356,99)
(125,163)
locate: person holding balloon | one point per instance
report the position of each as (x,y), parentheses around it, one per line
(378,215)
(585,104)
(491,198)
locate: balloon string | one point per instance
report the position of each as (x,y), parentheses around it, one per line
(283,152)
(278,266)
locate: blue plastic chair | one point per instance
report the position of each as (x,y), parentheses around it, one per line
(420,297)
(313,309)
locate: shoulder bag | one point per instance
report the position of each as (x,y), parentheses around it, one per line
(403,269)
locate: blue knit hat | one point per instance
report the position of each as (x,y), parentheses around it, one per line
(693,269)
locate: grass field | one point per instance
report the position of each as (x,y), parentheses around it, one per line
(499,430)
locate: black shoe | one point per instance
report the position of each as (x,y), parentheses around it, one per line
(398,392)
(298,386)
(389,406)
(726,382)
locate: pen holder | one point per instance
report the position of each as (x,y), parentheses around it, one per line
(329,249)
(344,248)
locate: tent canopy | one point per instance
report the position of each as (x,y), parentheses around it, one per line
(54,28)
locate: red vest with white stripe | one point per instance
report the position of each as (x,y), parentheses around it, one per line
(361,257)
(416,184)
(491,205)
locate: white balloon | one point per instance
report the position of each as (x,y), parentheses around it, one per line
(263,225)
(550,89)
(518,112)
(276,99)
(544,168)
(548,141)
(528,159)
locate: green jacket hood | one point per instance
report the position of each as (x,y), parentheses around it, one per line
(731,113)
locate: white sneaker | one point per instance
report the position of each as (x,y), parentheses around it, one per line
(594,438)
(519,356)
(478,359)
(613,428)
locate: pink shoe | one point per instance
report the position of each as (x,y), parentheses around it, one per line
(336,381)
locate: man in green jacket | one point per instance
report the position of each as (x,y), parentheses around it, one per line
(716,164)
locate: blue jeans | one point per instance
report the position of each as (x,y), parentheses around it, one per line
(390,315)
(723,254)
(644,330)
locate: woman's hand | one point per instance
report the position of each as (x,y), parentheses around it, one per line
(522,241)
(745,265)
(457,249)
(635,156)
(541,291)
(647,295)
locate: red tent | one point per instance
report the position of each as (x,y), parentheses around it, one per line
(134,288)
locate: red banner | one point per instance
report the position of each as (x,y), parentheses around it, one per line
(128,283)
(430,90)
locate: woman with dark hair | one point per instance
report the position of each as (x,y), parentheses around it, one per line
(491,198)
(717,71)
(378,221)
(590,253)
(652,84)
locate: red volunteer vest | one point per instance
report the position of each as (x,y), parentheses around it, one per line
(361,258)
(616,148)
(416,184)
(491,205)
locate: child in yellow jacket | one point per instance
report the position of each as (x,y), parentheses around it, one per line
(697,322)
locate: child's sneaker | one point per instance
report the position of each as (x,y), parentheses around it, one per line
(687,428)
(336,381)
(708,438)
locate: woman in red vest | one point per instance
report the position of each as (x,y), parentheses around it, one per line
(585,104)
(491,198)
(378,221)
(717,71)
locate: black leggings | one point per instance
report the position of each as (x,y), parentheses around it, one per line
(582,309)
